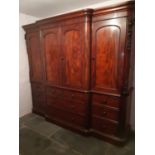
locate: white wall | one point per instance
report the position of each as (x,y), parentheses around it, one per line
(25,99)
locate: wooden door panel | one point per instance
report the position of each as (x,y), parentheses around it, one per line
(34,54)
(107,46)
(107,39)
(73,55)
(51,48)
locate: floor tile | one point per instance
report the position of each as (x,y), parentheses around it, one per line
(85,145)
(33,123)
(131,143)
(32,143)
(46,128)
(40,125)
(121,151)
(27,117)
(59,151)
(39,137)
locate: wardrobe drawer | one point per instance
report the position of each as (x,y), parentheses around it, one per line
(75,96)
(102,111)
(106,100)
(72,106)
(104,126)
(66,94)
(61,115)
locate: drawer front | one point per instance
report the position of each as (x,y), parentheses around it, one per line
(104,126)
(60,115)
(105,112)
(67,100)
(76,96)
(106,100)
(66,94)
(71,106)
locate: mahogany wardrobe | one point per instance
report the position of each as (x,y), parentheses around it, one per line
(81,70)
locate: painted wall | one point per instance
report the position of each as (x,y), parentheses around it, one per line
(25,99)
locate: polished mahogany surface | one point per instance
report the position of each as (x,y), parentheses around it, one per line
(51,48)
(108,38)
(34,54)
(81,68)
(73,55)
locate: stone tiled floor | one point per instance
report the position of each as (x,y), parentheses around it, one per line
(39,137)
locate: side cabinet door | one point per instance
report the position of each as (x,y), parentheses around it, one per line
(34,53)
(73,59)
(51,48)
(108,44)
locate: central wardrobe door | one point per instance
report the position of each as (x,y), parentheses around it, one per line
(51,47)
(73,56)
(108,40)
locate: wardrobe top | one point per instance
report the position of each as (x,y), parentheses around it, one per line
(84,12)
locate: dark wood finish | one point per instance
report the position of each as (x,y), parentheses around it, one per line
(108,43)
(38,95)
(71,118)
(73,102)
(111,42)
(34,54)
(105,112)
(106,100)
(51,48)
(81,70)
(104,126)
(73,56)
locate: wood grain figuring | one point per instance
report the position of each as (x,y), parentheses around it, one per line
(34,56)
(107,54)
(52,55)
(81,70)
(74,102)
(73,56)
